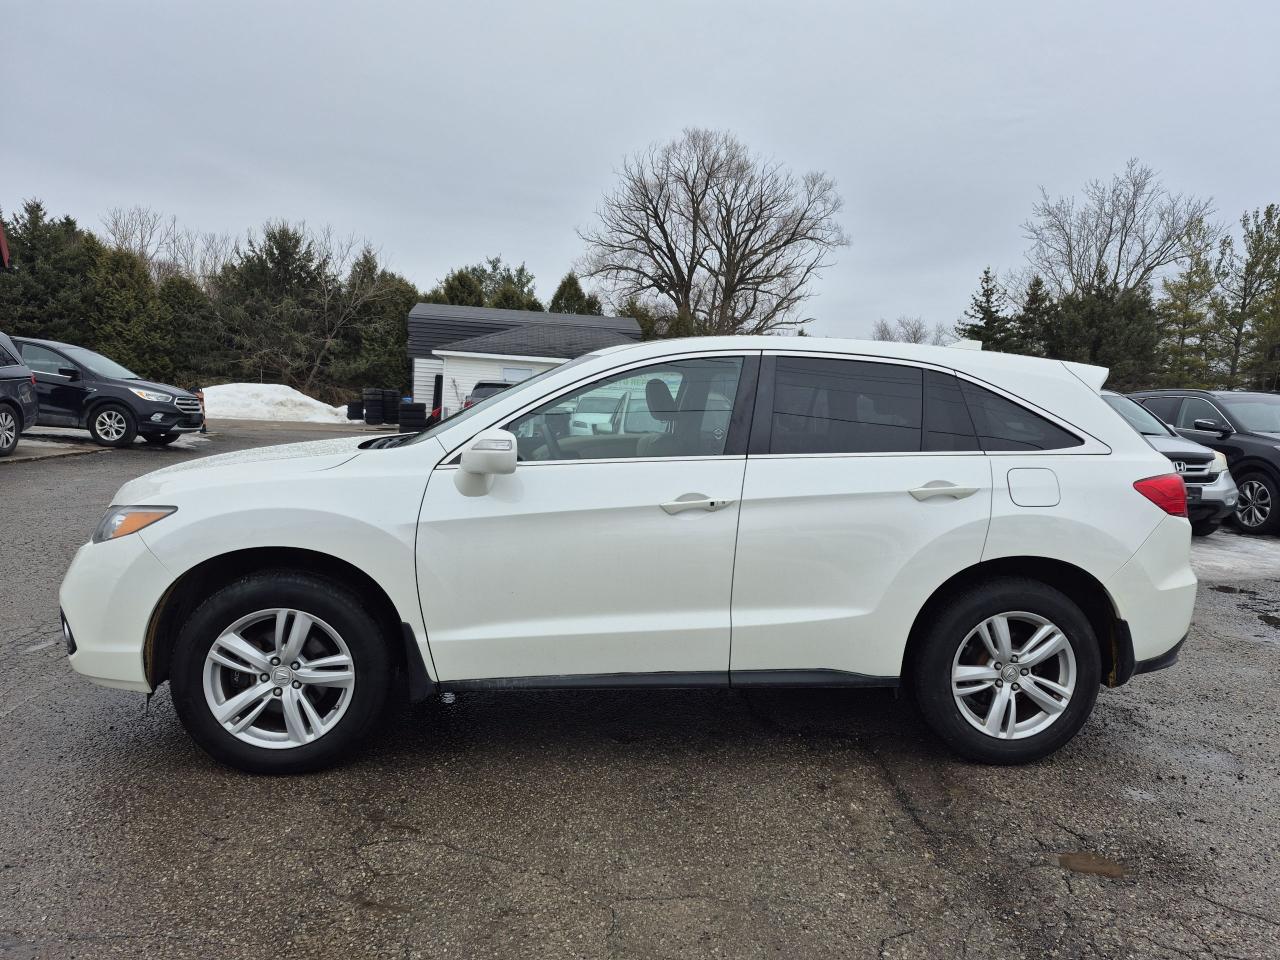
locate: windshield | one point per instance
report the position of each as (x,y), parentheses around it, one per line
(1255,412)
(482,405)
(1139,417)
(102,366)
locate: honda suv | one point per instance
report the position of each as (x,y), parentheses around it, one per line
(18,406)
(1245,427)
(80,388)
(979,528)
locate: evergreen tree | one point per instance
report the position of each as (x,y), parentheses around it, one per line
(509,296)
(570,298)
(1244,305)
(1104,325)
(200,352)
(1186,327)
(1032,324)
(127,321)
(988,322)
(47,291)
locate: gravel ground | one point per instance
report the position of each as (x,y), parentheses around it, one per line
(689,824)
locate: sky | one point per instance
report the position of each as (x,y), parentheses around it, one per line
(448,132)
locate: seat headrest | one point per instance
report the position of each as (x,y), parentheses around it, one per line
(662,406)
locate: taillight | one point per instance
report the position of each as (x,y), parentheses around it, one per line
(1166,491)
(33,379)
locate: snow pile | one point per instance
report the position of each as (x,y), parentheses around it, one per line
(267,401)
(1227,555)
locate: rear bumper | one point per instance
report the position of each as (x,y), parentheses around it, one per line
(1155,592)
(1166,659)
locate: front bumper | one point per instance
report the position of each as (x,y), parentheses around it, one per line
(107,598)
(1212,501)
(160,418)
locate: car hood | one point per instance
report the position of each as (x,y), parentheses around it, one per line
(152,385)
(242,466)
(1180,447)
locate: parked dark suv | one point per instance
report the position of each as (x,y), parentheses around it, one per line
(1245,427)
(80,388)
(17,396)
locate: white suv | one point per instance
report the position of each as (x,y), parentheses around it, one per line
(981,528)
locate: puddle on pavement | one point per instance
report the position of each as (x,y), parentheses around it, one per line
(1090,863)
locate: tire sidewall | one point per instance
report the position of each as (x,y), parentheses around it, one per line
(322,598)
(130,425)
(931,672)
(17,429)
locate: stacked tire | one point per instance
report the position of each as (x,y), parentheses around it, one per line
(355,411)
(390,406)
(372,406)
(413,417)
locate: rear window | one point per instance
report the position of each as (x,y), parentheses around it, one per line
(1004,425)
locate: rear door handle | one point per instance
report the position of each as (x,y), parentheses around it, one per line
(693,501)
(940,488)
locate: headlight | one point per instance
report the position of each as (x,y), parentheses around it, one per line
(122,521)
(1219,462)
(152,395)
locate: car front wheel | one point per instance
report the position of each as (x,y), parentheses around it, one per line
(1258,510)
(1008,672)
(280,672)
(8,430)
(112,425)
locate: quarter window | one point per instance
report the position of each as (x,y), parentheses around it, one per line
(1005,425)
(1166,408)
(845,406)
(678,409)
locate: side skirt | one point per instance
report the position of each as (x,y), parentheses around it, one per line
(747,679)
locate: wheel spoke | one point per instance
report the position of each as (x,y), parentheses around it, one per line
(232,708)
(293,720)
(1041,697)
(988,639)
(1004,643)
(247,719)
(313,718)
(241,652)
(297,637)
(974,678)
(335,671)
(994,722)
(1050,645)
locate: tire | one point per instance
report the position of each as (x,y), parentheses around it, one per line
(10,428)
(1202,528)
(373,414)
(1259,505)
(268,742)
(954,641)
(390,406)
(112,425)
(161,439)
(355,411)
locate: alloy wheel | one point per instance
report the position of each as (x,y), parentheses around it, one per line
(1255,504)
(1013,675)
(110,425)
(8,429)
(279,678)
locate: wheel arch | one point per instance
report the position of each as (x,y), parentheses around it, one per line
(1252,463)
(97,403)
(208,576)
(17,409)
(1115,645)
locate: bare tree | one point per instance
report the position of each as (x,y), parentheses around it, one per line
(707,231)
(942,336)
(197,256)
(903,330)
(138,229)
(1122,232)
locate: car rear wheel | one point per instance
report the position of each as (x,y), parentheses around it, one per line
(112,425)
(281,672)
(9,430)
(1008,672)
(1258,510)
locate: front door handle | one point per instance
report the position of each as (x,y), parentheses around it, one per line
(940,488)
(693,501)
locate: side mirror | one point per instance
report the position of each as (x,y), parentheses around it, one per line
(490,453)
(71,373)
(1212,426)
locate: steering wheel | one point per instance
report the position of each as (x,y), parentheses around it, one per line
(553,445)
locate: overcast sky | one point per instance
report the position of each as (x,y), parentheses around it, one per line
(446,132)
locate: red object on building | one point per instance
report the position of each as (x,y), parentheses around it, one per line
(4,249)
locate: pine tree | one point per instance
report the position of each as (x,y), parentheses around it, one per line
(47,291)
(570,298)
(1112,328)
(1032,324)
(987,321)
(128,322)
(1186,327)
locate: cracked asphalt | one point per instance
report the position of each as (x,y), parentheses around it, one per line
(639,824)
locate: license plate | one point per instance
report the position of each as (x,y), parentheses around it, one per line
(1193,493)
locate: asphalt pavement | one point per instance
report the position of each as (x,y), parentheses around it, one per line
(778,824)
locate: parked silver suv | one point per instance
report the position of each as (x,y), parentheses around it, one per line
(1211,493)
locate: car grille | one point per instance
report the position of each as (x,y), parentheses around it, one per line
(1194,472)
(187,404)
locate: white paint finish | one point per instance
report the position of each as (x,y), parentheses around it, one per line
(1155,591)
(835,556)
(569,568)
(462,373)
(1034,487)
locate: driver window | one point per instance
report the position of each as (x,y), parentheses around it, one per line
(1197,408)
(681,408)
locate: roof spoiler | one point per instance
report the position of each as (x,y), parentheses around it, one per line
(1091,376)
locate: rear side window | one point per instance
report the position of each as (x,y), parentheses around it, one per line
(947,424)
(1166,408)
(43,360)
(7,359)
(1004,425)
(845,406)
